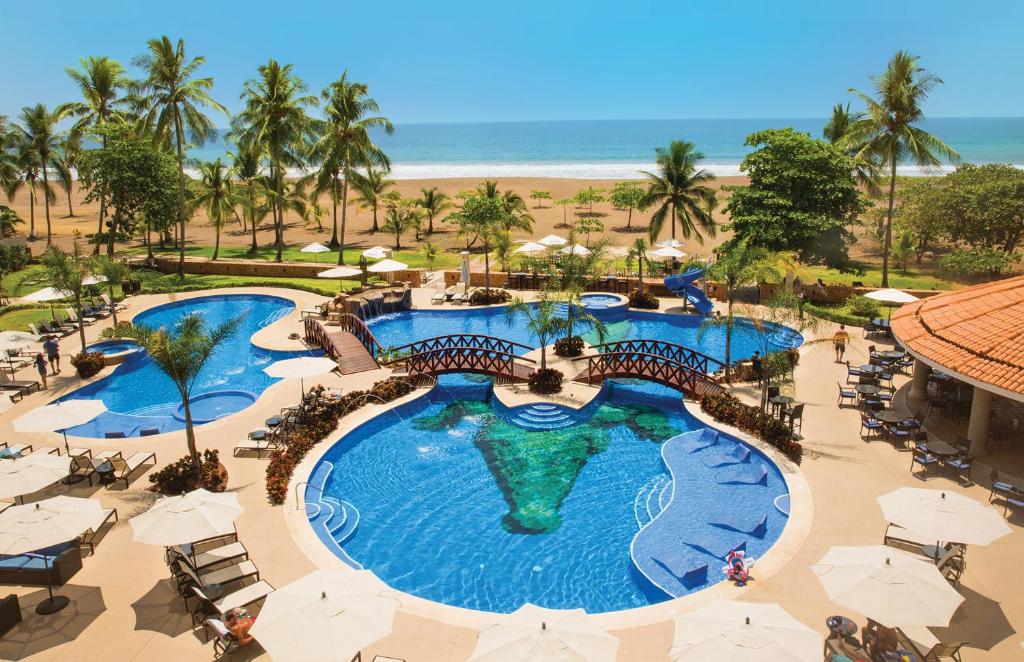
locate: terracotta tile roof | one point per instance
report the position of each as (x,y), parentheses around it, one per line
(977,332)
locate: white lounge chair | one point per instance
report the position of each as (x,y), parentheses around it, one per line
(459,295)
(123,469)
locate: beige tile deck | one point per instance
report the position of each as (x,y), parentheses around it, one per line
(124,608)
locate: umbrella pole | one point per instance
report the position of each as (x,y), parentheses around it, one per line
(76,477)
(52,604)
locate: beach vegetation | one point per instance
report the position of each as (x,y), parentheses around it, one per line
(984,206)
(889,130)
(215,192)
(540,195)
(628,195)
(681,193)
(977,262)
(866,167)
(41,142)
(434,203)
(374,189)
(401,216)
(588,197)
(802,197)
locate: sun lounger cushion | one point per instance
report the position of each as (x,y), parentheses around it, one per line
(244,596)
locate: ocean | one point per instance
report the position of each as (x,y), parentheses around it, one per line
(618,149)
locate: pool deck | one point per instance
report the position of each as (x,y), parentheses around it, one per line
(124,607)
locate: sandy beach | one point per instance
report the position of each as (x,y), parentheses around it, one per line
(549,218)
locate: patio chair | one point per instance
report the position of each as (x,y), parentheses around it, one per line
(92,535)
(123,469)
(921,458)
(846,394)
(900,434)
(869,425)
(225,642)
(999,488)
(852,373)
(794,416)
(243,597)
(961,466)
(950,651)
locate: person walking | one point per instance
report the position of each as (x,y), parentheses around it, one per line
(839,341)
(41,367)
(52,348)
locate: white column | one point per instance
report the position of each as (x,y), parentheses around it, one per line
(919,384)
(977,427)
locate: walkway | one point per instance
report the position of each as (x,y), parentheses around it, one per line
(352,345)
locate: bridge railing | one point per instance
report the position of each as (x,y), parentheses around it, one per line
(457,340)
(653,367)
(678,353)
(464,359)
(317,334)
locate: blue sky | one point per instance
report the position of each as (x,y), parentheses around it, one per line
(482,61)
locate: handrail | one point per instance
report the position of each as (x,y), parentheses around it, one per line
(459,350)
(299,505)
(681,353)
(461,340)
(357,327)
(661,369)
(465,359)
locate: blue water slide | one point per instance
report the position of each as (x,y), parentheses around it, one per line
(682,285)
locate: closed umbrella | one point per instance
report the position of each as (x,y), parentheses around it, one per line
(60,416)
(532,248)
(891,297)
(326,616)
(887,585)
(25,475)
(179,520)
(532,633)
(315,249)
(300,368)
(945,516)
(375,253)
(553,240)
(741,631)
(575,249)
(42,524)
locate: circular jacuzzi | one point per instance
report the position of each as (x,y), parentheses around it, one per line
(117,350)
(210,406)
(605,307)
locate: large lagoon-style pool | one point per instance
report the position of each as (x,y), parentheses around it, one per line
(456,498)
(139,397)
(396,329)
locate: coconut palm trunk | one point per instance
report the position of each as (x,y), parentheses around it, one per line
(344,217)
(887,242)
(46,203)
(179,138)
(32,210)
(190,434)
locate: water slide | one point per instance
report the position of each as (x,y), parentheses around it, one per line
(682,285)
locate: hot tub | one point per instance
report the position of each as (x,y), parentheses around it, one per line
(605,307)
(207,407)
(117,350)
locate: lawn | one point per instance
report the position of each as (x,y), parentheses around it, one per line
(414,259)
(192,282)
(26,281)
(872,277)
(18,320)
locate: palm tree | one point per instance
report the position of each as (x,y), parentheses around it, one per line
(866,170)
(739,266)
(401,217)
(246,165)
(65,272)
(542,320)
(215,192)
(572,297)
(180,353)
(102,83)
(888,130)
(430,253)
(174,100)
(70,151)
(9,175)
(39,130)
(274,119)
(345,141)
(434,202)
(372,187)
(681,192)
(24,162)
(638,252)
(114,271)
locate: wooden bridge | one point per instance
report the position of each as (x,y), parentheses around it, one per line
(639,365)
(457,340)
(462,352)
(352,344)
(678,353)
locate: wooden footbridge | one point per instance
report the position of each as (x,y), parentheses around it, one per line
(666,363)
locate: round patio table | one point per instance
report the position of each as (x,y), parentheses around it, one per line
(942,448)
(867,389)
(891,355)
(891,417)
(274,421)
(873,369)
(781,402)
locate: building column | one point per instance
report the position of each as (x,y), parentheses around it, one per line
(919,384)
(977,427)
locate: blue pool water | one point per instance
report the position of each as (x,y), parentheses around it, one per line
(111,347)
(397,329)
(139,396)
(427,508)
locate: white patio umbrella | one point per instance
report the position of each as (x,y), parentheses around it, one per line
(375,253)
(553,240)
(667,253)
(943,516)
(340,273)
(300,368)
(575,249)
(741,631)
(94,279)
(59,416)
(669,243)
(315,249)
(532,248)
(5,402)
(532,633)
(179,520)
(328,616)
(387,267)
(16,340)
(891,297)
(887,585)
(25,475)
(38,525)
(46,294)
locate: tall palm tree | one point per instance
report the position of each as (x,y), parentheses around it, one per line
(24,162)
(434,203)
(103,84)
(866,169)
(67,161)
(174,99)
(681,192)
(543,320)
(39,130)
(372,187)
(247,166)
(215,192)
(345,143)
(888,130)
(274,119)
(9,174)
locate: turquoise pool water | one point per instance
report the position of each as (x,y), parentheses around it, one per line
(139,396)
(458,499)
(397,329)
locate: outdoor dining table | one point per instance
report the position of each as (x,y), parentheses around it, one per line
(891,355)
(891,417)
(781,402)
(873,369)
(867,389)
(943,449)
(880,322)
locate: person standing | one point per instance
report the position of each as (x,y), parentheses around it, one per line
(52,348)
(41,367)
(839,341)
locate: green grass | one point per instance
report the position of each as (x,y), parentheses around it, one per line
(413,258)
(31,278)
(18,320)
(872,277)
(192,282)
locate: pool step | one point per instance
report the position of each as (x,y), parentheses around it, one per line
(542,416)
(647,505)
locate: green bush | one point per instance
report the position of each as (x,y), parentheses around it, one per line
(835,314)
(978,262)
(119,330)
(13,258)
(644,300)
(180,477)
(726,408)
(862,306)
(569,346)
(479,297)
(545,381)
(87,363)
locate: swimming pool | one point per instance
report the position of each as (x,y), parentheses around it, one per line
(450,498)
(140,397)
(396,329)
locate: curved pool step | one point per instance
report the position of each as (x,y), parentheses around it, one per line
(641,510)
(541,416)
(653,505)
(782,504)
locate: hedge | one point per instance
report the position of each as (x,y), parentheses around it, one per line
(727,408)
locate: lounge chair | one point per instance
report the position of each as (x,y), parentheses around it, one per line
(45,450)
(950,651)
(226,642)
(212,580)
(148,432)
(94,310)
(317,311)
(81,465)
(459,295)
(259,446)
(440,295)
(19,388)
(123,469)
(15,450)
(65,323)
(81,318)
(243,597)
(208,553)
(114,434)
(120,305)
(91,535)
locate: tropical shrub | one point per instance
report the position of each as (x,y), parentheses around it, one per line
(180,477)
(862,306)
(643,299)
(546,380)
(119,330)
(87,363)
(726,408)
(480,297)
(13,258)
(977,262)
(572,346)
